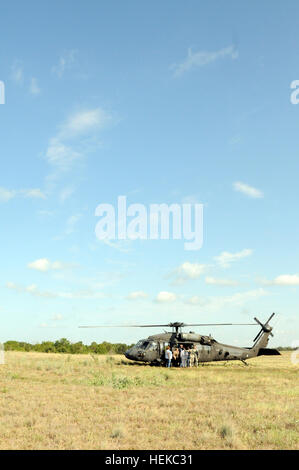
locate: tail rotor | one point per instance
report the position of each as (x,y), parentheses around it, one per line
(265,328)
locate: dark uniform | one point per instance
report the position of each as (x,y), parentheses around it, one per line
(175,357)
(195,357)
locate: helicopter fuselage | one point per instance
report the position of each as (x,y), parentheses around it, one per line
(152,349)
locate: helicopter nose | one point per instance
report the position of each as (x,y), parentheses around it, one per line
(128,354)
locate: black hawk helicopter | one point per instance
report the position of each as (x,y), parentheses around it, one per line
(152,349)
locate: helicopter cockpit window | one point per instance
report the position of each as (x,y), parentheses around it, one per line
(152,346)
(142,344)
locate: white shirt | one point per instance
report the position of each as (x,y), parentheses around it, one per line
(168,354)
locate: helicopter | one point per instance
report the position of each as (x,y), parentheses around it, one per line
(152,349)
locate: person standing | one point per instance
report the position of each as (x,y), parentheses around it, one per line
(192,357)
(175,356)
(195,357)
(182,356)
(168,356)
(188,357)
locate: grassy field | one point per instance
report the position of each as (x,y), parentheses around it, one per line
(57,401)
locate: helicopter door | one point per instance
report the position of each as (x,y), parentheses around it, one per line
(204,353)
(152,352)
(161,350)
(162,346)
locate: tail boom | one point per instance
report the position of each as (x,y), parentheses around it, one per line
(259,347)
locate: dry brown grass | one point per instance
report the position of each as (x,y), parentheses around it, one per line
(51,401)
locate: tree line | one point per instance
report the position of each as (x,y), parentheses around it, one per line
(65,346)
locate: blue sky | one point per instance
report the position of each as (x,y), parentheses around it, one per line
(163,102)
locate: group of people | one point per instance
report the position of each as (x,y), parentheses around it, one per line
(181,357)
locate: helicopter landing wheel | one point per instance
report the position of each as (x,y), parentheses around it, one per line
(244,362)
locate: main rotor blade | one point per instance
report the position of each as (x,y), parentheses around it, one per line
(218,324)
(122,326)
(167,325)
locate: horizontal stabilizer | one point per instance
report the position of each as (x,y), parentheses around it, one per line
(268,352)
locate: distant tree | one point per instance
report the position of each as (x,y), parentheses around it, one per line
(65,346)
(78,348)
(93,347)
(47,346)
(120,348)
(12,346)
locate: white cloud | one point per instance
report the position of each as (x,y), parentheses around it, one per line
(284,280)
(66,193)
(71,223)
(165,297)
(17,73)
(60,155)
(33,193)
(11,285)
(6,194)
(220,282)
(70,226)
(40,265)
(187,271)
(122,246)
(65,62)
(217,303)
(45,265)
(242,297)
(84,122)
(57,317)
(33,290)
(225,258)
(235,140)
(34,88)
(248,190)
(196,300)
(66,148)
(137,295)
(201,58)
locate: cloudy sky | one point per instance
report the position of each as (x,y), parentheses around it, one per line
(163,102)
